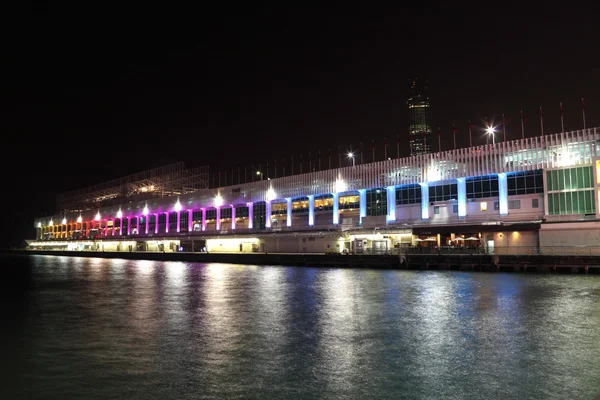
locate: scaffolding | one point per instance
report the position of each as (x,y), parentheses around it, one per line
(169,180)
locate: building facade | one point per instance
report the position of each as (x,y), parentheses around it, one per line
(527,196)
(419,117)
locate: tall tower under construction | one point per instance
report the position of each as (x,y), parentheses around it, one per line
(419,117)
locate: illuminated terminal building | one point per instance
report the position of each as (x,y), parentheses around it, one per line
(523,196)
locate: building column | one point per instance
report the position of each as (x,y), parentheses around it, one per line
(203,219)
(288,209)
(268,214)
(424,200)
(106,228)
(167,222)
(232,217)
(128,226)
(147,218)
(121,226)
(218,219)
(156,223)
(595,174)
(336,208)
(391,203)
(190,221)
(311,210)
(503,194)
(178,221)
(362,204)
(461,184)
(250,215)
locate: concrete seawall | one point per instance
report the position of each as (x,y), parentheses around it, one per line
(463,262)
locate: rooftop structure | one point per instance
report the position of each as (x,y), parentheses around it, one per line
(170,180)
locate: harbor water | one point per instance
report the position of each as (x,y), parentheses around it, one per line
(90,328)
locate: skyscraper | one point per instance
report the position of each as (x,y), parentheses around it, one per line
(419,118)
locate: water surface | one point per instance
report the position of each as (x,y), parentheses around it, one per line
(84,328)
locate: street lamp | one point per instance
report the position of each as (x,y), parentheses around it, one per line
(260,174)
(490,131)
(351,155)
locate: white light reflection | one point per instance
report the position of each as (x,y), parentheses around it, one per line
(222,325)
(338,325)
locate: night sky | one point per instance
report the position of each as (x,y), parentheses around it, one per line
(94,94)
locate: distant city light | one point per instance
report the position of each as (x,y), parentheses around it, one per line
(177,206)
(119,214)
(79,219)
(218,202)
(64,221)
(98,216)
(145,211)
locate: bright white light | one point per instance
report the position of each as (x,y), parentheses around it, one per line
(340,185)
(79,219)
(119,214)
(271,194)
(39,224)
(98,216)
(257,172)
(64,221)
(145,210)
(490,130)
(350,154)
(51,223)
(218,202)
(177,206)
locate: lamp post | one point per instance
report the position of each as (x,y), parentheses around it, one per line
(260,174)
(490,131)
(351,155)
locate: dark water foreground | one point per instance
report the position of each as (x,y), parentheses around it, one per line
(89,328)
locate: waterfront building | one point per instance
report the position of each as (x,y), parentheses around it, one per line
(526,196)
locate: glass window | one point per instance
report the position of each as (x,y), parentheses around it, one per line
(443,192)
(409,194)
(482,186)
(455,208)
(483,206)
(376,202)
(436,210)
(535,203)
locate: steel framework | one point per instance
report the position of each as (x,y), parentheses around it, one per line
(169,180)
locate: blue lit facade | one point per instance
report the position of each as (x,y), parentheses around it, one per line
(470,193)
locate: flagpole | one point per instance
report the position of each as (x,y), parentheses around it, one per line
(384,148)
(470,136)
(319,159)
(361,153)
(522,126)
(542,121)
(504,127)
(454,135)
(562,120)
(583,111)
(487,137)
(373,150)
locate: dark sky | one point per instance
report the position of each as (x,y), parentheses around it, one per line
(93,94)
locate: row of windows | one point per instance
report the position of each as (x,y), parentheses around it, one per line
(443,192)
(512,205)
(571,178)
(528,182)
(581,202)
(408,194)
(483,186)
(376,202)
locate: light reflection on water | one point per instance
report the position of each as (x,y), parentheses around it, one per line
(93,328)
